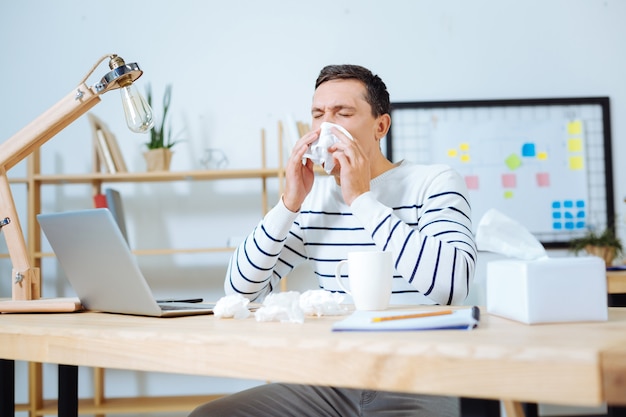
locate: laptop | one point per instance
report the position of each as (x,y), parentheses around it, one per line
(101,268)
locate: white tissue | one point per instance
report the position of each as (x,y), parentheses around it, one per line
(281,306)
(322,303)
(318,151)
(501,234)
(232,306)
(291,306)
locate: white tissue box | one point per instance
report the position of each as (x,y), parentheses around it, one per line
(548,290)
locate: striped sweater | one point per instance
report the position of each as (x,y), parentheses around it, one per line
(421,213)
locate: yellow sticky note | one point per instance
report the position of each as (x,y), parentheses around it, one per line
(576,163)
(464,147)
(575,145)
(575,127)
(465,158)
(542,156)
(508,194)
(452,153)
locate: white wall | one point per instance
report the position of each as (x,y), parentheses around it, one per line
(240,66)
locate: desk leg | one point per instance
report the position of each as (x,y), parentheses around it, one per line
(68,391)
(531,409)
(616,411)
(474,407)
(616,300)
(7,387)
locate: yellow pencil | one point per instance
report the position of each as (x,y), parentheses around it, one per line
(413,316)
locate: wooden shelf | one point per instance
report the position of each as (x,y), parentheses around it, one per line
(127,405)
(161,176)
(153,252)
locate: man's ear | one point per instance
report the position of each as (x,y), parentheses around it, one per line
(383,123)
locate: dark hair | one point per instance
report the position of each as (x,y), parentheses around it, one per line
(376,90)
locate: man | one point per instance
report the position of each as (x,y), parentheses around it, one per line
(419,213)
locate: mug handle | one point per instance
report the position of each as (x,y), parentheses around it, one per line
(338,276)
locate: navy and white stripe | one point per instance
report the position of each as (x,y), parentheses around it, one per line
(420,213)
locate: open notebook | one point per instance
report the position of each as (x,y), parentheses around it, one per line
(101,268)
(399,320)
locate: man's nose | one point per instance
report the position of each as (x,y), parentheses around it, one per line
(328,118)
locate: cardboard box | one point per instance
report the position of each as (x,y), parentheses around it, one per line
(549,290)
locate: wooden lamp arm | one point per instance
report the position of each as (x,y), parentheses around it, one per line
(25,280)
(47,125)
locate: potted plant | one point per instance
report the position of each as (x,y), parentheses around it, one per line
(605,245)
(159,154)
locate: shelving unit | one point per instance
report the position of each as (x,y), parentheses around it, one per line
(101,405)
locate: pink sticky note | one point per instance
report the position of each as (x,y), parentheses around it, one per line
(509,180)
(471,181)
(543,179)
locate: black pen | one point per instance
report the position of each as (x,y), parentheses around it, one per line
(181,300)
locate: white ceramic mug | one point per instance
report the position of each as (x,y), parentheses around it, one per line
(370,275)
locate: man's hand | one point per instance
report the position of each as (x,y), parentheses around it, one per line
(298,176)
(354,167)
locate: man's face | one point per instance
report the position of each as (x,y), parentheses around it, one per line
(343,102)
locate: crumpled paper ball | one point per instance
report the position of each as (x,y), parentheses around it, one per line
(281,306)
(322,303)
(232,306)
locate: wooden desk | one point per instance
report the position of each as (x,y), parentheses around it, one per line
(616,282)
(574,363)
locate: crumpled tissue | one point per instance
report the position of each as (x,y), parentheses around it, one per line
(232,306)
(318,150)
(291,306)
(281,306)
(501,234)
(322,303)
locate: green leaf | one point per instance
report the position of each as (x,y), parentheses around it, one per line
(605,238)
(160,135)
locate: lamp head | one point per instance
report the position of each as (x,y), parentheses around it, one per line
(137,111)
(121,75)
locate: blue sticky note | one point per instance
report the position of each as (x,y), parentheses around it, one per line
(528,150)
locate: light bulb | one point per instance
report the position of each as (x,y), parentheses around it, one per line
(137,111)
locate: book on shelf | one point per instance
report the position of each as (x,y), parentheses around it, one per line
(106,145)
(104,153)
(100,201)
(116,153)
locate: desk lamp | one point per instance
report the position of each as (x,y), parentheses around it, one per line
(25,279)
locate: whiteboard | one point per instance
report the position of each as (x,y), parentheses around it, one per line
(546,163)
